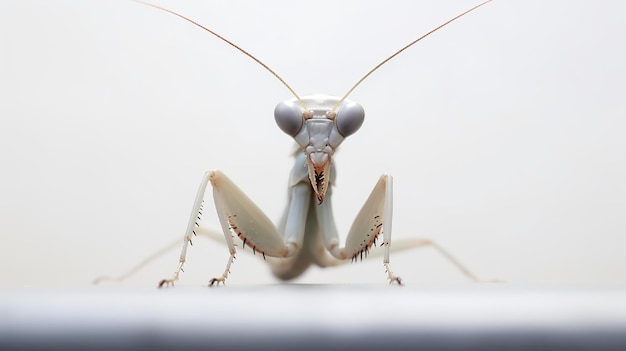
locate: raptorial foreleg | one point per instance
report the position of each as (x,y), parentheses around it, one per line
(374,219)
(189,232)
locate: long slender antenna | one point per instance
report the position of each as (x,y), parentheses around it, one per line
(404,48)
(231,44)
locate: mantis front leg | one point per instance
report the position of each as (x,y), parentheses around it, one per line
(374,218)
(189,233)
(238,215)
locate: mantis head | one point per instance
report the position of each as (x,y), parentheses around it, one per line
(319,128)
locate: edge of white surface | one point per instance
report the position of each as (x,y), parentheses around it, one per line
(482,316)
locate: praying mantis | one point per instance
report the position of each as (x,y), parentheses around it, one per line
(306,234)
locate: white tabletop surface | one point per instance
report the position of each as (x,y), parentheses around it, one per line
(471,316)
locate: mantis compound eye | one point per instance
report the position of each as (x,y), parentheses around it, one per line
(289,117)
(349,118)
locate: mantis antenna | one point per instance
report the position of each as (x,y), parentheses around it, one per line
(231,44)
(404,48)
(283,81)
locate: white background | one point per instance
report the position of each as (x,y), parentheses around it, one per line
(504,132)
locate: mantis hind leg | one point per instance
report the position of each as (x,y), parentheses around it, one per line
(405,244)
